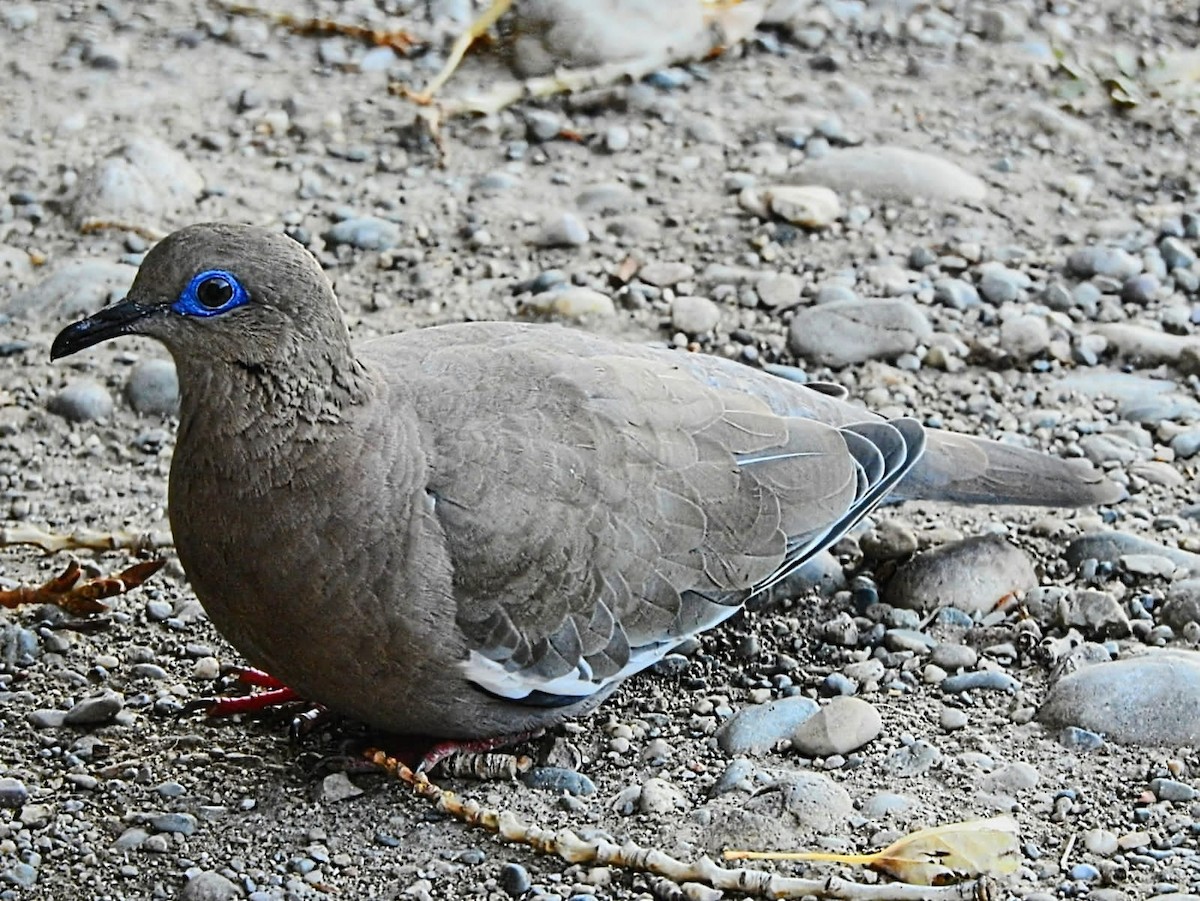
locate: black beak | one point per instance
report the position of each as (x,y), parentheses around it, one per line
(117,319)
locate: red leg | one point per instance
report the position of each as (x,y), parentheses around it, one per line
(257,677)
(444,749)
(251,703)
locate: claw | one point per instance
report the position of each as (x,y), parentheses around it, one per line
(81,598)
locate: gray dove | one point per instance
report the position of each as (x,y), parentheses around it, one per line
(478,530)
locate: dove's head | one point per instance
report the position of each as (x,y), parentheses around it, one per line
(234,293)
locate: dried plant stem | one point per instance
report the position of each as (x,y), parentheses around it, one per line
(85,539)
(570,847)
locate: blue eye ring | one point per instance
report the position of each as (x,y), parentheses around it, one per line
(211,293)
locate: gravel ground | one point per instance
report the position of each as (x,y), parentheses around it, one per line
(984,215)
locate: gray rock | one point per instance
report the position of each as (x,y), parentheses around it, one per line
(143,181)
(1111,546)
(757,729)
(970,575)
(659,797)
(1025,337)
(1186,444)
(180,823)
(1151,699)
(892,173)
(1146,345)
(514,879)
(153,388)
(954,657)
(809,206)
(841,726)
(1141,289)
(337,787)
(1176,254)
(364,233)
(1013,777)
(1109,261)
(1182,605)
(956,293)
(1000,285)
(563,230)
(575,302)
(559,779)
(209,886)
(606,198)
(73,289)
(1102,448)
(980,680)
(847,332)
(912,759)
(13,792)
(82,400)
(665,275)
(96,710)
(1095,613)
(1139,399)
(1172,790)
(778,289)
(694,315)
(812,800)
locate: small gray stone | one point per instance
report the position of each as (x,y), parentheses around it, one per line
(659,797)
(912,759)
(1095,613)
(665,275)
(337,787)
(1182,605)
(811,800)
(563,230)
(1000,285)
(892,173)
(13,792)
(956,293)
(757,729)
(841,726)
(74,288)
(970,575)
(181,823)
(364,233)
(777,290)
(694,315)
(559,779)
(514,879)
(1141,289)
(952,718)
(96,710)
(144,180)
(846,332)
(575,302)
(209,886)
(153,388)
(1176,254)
(606,198)
(1025,337)
(82,400)
(131,838)
(1172,790)
(954,657)
(1112,546)
(1110,261)
(1151,699)
(980,680)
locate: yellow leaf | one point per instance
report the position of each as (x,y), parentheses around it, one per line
(936,856)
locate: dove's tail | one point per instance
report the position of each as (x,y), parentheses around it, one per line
(970,470)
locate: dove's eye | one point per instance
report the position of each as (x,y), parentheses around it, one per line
(210,293)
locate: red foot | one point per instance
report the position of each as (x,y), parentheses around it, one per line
(444,749)
(274,694)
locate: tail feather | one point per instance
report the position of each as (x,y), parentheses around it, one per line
(969,470)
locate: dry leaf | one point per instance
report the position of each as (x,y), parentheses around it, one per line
(936,856)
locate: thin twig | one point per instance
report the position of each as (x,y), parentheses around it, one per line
(568,846)
(85,539)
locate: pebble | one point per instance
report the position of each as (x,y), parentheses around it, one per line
(778,290)
(954,657)
(841,726)
(337,787)
(82,400)
(1172,790)
(956,294)
(1182,605)
(96,710)
(1145,345)
(175,823)
(1150,699)
(889,540)
(364,233)
(757,729)
(970,575)
(209,885)
(559,780)
(1095,613)
(1000,285)
(812,800)
(1025,337)
(842,333)
(888,172)
(1109,261)
(563,230)
(575,302)
(153,387)
(1141,289)
(145,180)
(13,792)
(980,680)
(694,315)
(1112,546)
(514,879)
(952,718)
(660,797)
(665,275)
(75,288)
(808,206)
(605,199)
(912,759)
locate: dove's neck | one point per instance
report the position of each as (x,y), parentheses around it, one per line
(262,408)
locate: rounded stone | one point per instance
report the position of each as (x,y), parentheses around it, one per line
(841,726)
(694,315)
(972,575)
(153,388)
(83,400)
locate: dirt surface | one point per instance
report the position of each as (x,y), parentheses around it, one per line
(299,131)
